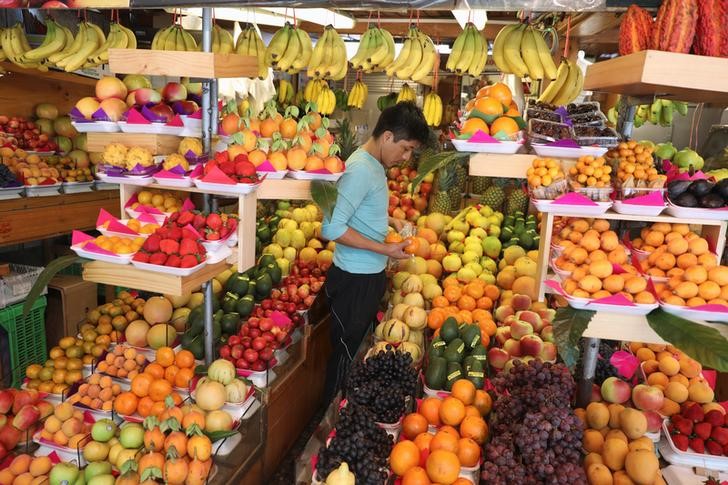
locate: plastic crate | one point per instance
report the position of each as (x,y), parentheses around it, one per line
(16,286)
(26,338)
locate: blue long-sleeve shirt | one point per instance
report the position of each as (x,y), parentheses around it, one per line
(361,204)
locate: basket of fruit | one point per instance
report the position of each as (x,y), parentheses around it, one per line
(591,178)
(546,179)
(639,185)
(114,249)
(698,198)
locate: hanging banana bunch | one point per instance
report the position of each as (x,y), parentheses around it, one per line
(375,52)
(285,92)
(358,95)
(521,50)
(567,85)
(222,40)
(119,38)
(433,109)
(406,93)
(174,38)
(250,44)
(417,57)
(289,50)
(15,46)
(328,59)
(469,52)
(313,89)
(325,99)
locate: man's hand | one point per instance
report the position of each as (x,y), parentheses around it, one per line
(396,250)
(398,224)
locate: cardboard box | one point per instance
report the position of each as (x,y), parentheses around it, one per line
(69,299)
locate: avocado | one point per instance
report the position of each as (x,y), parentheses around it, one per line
(196,321)
(676,188)
(436,373)
(229,301)
(479,353)
(712,201)
(231,281)
(186,339)
(263,233)
(266,259)
(470,335)
(700,188)
(238,284)
(263,285)
(686,199)
(449,329)
(230,323)
(455,350)
(437,347)
(197,347)
(244,306)
(468,363)
(216,329)
(454,372)
(275,273)
(476,375)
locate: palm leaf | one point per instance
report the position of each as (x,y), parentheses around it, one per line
(324,195)
(568,325)
(429,162)
(46,276)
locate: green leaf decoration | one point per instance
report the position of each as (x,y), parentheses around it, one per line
(46,276)
(150,422)
(316,149)
(324,194)
(130,465)
(172,452)
(150,473)
(569,324)
(519,121)
(219,435)
(194,429)
(430,161)
(335,149)
(479,114)
(325,122)
(320,131)
(292,112)
(230,107)
(237,138)
(702,343)
(263,145)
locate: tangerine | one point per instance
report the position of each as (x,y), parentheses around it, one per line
(475,428)
(443,466)
(404,455)
(464,390)
(155,370)
(483,402)
(489,106)
(502,93)
(160,389)
(444,441)
(452,411)
(506,125)
(164,356)
(414,424)
(126,403)
(430,409)
(416,476)
(472,125)
(468,452)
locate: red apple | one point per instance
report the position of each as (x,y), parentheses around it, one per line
(174,92)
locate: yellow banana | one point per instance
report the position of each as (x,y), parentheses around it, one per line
(566,92)
(512,52)
(499,44)
(529,54)
(552,90)
(544,55)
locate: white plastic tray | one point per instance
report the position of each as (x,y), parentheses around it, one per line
(563,274)
(192,126)
(77,187)
(259,378)
(101,185)
(168,269)
(544,205)
(637,210)
(139,181)
(690,457)
(690,314)
(277,175)
(42,190)
(108,233)
(156,128)
(585,304)
(566,152)
(214,246)
(96,126)
(125,259)
(303,175)
(185,181)
(690,213)
(229,188)
(505,147)
(219,255)
(11,192)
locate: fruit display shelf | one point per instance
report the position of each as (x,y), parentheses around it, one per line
(270,189)
(685,77)
(205,65)
(157,144)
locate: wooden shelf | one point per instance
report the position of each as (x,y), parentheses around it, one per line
(683,77)
(285,189)
(131,277)
(158,144)
(611,215)
(176,63)
(51,74)
(497,165)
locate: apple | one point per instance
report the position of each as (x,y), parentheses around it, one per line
(225,351)
(237,351)
(266,324)
(163,111)
(174,92)
(242,364)
(250,355)
(259,343)
(233,340)
(185,107)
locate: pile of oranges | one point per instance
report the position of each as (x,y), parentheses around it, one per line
(424,457)
(116,244)
(495,100)
(150,388)
(590,171)
(468,303)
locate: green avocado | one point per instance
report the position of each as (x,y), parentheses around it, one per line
(230,323)
(449,329)
(229,301)
(454,372)
(436,373)
(244,307)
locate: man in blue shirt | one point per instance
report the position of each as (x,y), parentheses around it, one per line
(356,282)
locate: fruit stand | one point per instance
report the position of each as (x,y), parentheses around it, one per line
(560,317)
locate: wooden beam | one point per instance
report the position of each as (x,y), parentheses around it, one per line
(445,31)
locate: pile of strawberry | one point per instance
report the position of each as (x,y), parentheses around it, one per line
(239,169)
(172,246)
(212,227)
(700,431)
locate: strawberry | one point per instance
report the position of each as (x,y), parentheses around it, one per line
(725,422)
(232,223)
(228,168)
(214,221)
(694,412)
(201,249)
(187,246)
(212,235)
(680,441)
(185,218)
(714,417)
(174,233)
(702,430)
(199,221)
(222,156)
(720,434)
(158,258)
(173,217)
(162,232)
(242,157)
(682,425)
(188,261)
(151,245)
(173,261)
(698,445)
(244,168)
(141,257)
(187,234)
(714,447)
(169,246)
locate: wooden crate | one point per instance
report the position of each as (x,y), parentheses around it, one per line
(177,63)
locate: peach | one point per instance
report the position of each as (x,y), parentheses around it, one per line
(677,392)
(63,411)
(615,390)
(669,407)
(520,329)
(532,318)
(110,87)
(547,314)
(547,334)
(27,416)
(502,334)
(531,345)
(503,312)
(700,392)
(548,353)
(498,357)
(87,106)
(647,398)
(513,347)
(669,365)
(521,302)
(45,408)
(6,401)
(114,108)
(71,427)
(654,421)
(633,423)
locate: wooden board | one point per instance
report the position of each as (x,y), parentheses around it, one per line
(34,218)
(285,189)
(158,144)
(130,277)
(631,328)
(495,165)
(176,63)
(683,77)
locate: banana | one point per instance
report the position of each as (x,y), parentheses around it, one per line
(655,112)
(468,53)
(555,86)
(512,52)
(339,66)
(215,38)
(363,50)
(306,49)
(358,95)
(389,58)
(90,43)
(544,55)
(69,49)
(561,98)
(529,53)
(666,114)
(130,36)
(317,55)
(278,45)
(428,58)
(681,107)
(476,68)
(160,38)
(457,49)
(226,41)
(499,48)
(189,43)
(414,59)
(54,41)
(433,109)
(293,50)
(115,39)
(99,33)
(406,94)
(376,59)
(403,55)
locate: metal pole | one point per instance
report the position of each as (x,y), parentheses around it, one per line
(209,344)
(589,366)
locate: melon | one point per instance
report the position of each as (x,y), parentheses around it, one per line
(178,301)
(179,318)
(399,310)
(412,349)
(210,395)
(136,333)
(417,337)
(196,300)
(395,331)
(157,309)
(161,335)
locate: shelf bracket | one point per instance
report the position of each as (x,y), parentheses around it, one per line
(590,353)
(627,110)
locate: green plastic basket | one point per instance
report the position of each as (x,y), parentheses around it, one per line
(26,339)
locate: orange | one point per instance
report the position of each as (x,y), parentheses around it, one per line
(144,407)
(444,441)
(423,441)
(183,377)
(452,293)
(464,390)
(126,403)
(416,476)
(505,124)
(268,127)
(314,120)
(475,428)
(440,302)
(430,409)
(466,302)
(443,466)
(164,356)
(468,452)
(170,373)
(160,389)
(484,303)
(288,128)
(502,93)
(141,383)
(414,424)
(393,237)
(158,408)
(404,455)
(412,246)
(155,370)
(184,358)
(452,411)
(472,125)
(489,106)
(474,290)
(436,318)
(230,123)
(483,402)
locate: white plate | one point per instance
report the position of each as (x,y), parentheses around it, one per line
(692,458)
(220,255)
(156,128)
(563,274)
(228,188)
(100,185)
(139,181)
(585,304)
(544,205)
(11,192)
(260,379)
(192,126)
(42,190)
(185,181)
(566,152)
(125,259)
(168,269)
(77,187)
(505,147)
(215,246)
(690,213)
(690,314)
(277,175)
(637,210)
(96,126)
(160,218)
(303,175)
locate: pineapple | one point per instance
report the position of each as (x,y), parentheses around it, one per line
(493,197)
(461,175)
(346,139)
(517,201)
(442,202)
(478,185)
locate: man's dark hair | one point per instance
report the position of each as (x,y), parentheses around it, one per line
(405,120)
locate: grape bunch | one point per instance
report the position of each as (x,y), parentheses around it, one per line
(381,383)
(359,442)
(7,178)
